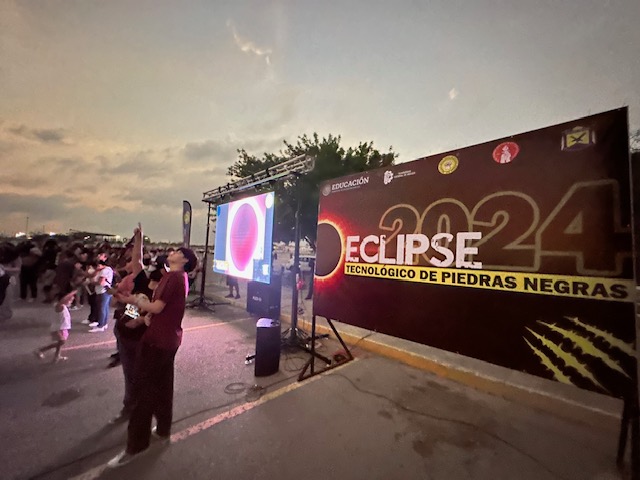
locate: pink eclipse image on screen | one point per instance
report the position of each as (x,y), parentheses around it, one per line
(243,236)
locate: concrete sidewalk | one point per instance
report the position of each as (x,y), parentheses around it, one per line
(554,397)
(374,419)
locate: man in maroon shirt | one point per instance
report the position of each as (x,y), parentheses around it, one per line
(153,387)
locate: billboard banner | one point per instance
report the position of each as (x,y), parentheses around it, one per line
(517,252)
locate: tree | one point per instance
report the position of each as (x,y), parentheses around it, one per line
(331,161)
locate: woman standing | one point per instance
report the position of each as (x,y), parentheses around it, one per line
(9,270)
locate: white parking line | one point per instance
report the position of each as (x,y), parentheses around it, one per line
(112,342)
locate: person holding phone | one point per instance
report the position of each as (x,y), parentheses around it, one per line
(130,326)
(154,375)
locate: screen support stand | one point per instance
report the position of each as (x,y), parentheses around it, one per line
(294,337)
(337,360)
(202,302)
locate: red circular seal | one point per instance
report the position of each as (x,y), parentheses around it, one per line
(506,152)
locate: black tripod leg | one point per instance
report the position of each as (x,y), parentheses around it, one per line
(624,433)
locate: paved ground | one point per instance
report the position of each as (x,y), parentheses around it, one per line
(373,418)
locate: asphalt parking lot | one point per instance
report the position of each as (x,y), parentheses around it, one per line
(372,418)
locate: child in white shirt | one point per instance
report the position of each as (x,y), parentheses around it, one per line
(60,326)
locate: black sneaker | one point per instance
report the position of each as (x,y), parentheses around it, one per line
(114,363)
(120,418)
(228,296)
(155,436)
(237,296)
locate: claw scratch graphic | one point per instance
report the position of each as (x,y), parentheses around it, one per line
(557,373)
(568,359)
(556,359)
(606,336)
(586,347)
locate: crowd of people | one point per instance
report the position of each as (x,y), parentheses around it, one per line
(33,271)
(149,289)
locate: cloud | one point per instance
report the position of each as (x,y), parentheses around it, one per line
(43,135)
(247,46)
(44,206)
(141,165)
(6,147)
(42,174)
(38,210)
(105,186)
(209,150)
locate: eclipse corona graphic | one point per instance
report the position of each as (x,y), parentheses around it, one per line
(330,237)
(244,238)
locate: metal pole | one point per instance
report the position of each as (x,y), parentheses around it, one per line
(296,265)
(206,254)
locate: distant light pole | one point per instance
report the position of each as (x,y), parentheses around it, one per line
(26,230)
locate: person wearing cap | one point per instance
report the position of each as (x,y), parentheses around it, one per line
(154,376)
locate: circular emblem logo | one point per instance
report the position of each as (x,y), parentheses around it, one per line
(506,152)
(448,164)
(326,190)
(187,218)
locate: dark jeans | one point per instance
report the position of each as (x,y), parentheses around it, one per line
(93,311)
(28,281)
(153,396)
(128,350)
(310,292)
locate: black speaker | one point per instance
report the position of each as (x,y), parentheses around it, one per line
(267,360)
(264,299)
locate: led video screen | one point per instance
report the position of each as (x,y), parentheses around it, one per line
(243,241)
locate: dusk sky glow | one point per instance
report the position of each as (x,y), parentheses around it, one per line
(113,112)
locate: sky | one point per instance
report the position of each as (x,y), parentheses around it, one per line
(114,112)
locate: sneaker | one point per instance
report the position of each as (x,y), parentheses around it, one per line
(237,296)
(93,324)
(113,363)
(160,438)
(38,354)
(74,308)
(85,321)
(228,296)
(122,459)
(60,359)
(120,418)
(98,329)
